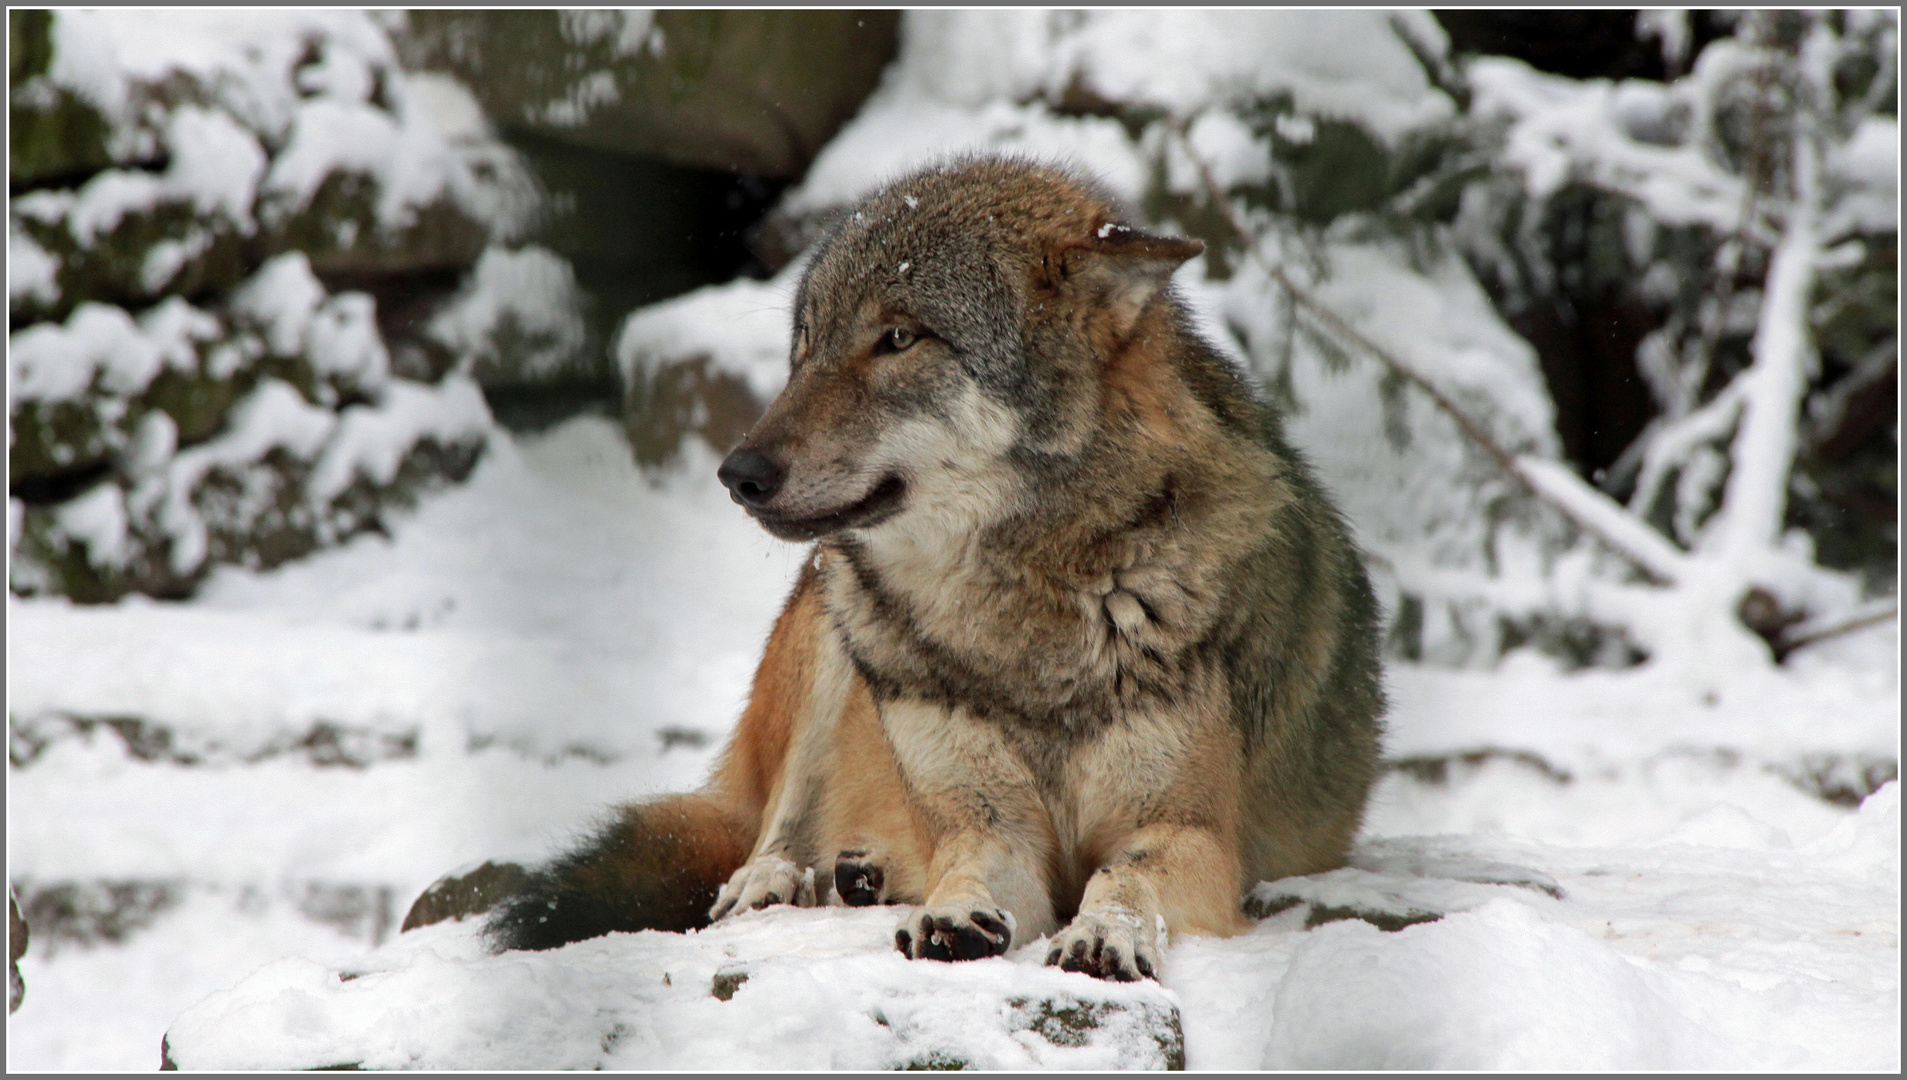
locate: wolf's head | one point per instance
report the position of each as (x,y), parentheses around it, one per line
(955,328)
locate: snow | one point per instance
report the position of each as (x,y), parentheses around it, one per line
(32,272)
(245,58)
(518,654)
(342,341)
(967,80)
(524,301)
(1350,65)
(288,306)
(895,134)
(303,83)
(280,298)
(494,631)
(632,29)
(97,519)
(1643,868)
(1609,134)
(1867,168)
(370,443)
(742,326)
(1763,451)
(100,346)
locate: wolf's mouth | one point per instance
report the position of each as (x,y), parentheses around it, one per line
(886,500)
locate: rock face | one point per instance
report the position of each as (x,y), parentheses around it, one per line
(744,91)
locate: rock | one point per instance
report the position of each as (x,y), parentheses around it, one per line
(459,896)
(420,199)
(204,397)
(322,743)
(16,948)
(146,451)
(1064,1021)
(702,365)
(744,91)
(687,397)
(726,982)
(97,912)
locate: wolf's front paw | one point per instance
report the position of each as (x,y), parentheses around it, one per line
(955,932)
(1113,944)
(764,880)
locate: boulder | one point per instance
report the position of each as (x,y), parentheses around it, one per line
(744,91)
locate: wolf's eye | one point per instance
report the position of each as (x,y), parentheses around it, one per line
(899,338)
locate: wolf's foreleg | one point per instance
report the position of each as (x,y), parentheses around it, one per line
(813,686)
(1162,879)
(989,879)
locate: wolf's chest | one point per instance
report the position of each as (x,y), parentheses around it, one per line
(1022,649)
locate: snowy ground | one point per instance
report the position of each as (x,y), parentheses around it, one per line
(285,762)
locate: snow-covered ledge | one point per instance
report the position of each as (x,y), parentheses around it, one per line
(783,989)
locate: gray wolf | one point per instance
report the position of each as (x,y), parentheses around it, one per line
(1082,650)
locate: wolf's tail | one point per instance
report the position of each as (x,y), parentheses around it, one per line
(657,866)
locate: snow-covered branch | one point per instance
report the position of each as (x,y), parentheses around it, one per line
(1591,511)
(1669,446)
(1755,498)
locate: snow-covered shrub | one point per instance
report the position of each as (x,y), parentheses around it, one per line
(240,133)
(519,317)
(251,436)
(207,203)
(1670,202)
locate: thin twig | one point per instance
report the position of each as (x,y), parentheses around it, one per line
(1342,328)
(1784,648)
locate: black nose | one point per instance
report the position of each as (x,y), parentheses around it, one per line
(751,477)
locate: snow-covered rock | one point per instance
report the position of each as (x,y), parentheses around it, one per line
(782,989)
(754,92)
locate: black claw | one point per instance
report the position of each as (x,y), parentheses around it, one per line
(904,942)
(1145,967)
(770,898)
(1076,958)
(1052,958)
(936,940)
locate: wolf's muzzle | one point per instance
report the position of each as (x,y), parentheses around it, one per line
(751,477)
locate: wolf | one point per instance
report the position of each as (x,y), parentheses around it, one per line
(1082,649)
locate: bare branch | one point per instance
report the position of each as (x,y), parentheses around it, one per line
(1787,646)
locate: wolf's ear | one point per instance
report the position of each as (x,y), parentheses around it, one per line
(1124,269)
